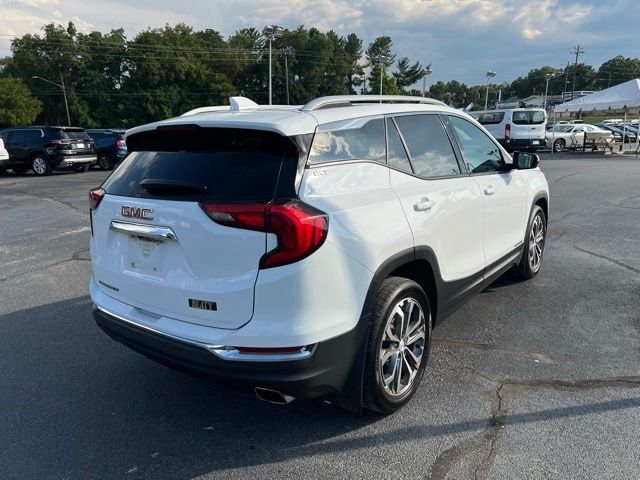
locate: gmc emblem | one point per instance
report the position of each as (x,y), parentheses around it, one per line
(137,212)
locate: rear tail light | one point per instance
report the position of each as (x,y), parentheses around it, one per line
(120,143)
(61,142)
(507,131)
(299,228)
(95,197)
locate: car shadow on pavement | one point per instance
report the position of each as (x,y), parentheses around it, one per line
(79,405)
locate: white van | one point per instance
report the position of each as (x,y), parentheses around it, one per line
(515,128)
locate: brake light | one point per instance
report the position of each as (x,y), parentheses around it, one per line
(507,131)
(299,228)
(120,143)
(95,197)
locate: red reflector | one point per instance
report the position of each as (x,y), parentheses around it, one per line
(299,228)
(95,197)
(268,349)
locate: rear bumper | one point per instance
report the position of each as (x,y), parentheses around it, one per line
(73,161)
(526,143)
(4,162)
(323,372)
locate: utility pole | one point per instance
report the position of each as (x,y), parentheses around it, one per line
(577,51)
(286,71)
(382,65)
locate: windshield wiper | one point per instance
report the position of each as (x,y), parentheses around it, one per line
(171,187)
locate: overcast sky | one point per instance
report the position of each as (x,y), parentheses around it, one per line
(461,38)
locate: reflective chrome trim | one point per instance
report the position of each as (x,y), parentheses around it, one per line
(231,353)
(221,351)
(153,232)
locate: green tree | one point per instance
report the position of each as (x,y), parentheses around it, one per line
(407,74)
(17,105)
(617,70)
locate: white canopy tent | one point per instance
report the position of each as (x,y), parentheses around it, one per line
(621,97)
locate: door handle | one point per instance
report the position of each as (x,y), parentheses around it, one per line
(489,190)
(424,205)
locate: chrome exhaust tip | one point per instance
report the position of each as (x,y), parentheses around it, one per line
(273,396)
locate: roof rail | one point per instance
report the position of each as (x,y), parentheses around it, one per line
(347,100)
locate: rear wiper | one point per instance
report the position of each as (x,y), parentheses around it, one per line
(171,187)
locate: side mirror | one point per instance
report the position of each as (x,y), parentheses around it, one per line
(525,160)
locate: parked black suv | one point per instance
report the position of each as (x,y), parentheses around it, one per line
(110,146)
(42,149)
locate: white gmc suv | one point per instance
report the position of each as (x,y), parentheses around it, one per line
(309,251)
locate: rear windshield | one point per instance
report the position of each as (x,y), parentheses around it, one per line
(488,118)
(72,134)
(528,117)
(212,164)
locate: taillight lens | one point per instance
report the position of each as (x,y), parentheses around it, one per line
(120,143)
(61,142)
(299,228)
(507,131)
(95,197)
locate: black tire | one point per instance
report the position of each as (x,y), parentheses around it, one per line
(40,165)
(526,269)
(104,162)
(559,145)
(394,291)
(81,169)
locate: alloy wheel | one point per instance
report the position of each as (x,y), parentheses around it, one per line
(39,165)
(536,243)
(402,347)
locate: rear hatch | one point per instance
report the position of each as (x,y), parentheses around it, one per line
(192,268)
(529,125)
(74,141)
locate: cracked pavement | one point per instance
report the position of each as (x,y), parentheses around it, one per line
(539,379)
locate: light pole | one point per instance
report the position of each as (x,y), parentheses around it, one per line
(64,93)
(381,60)
(425,73)
(490,74)
(547,77)
(271,32)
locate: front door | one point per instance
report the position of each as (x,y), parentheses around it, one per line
(503,191)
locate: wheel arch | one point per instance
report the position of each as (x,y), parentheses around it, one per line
(542,200)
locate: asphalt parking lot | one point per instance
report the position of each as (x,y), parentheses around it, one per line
(530,380)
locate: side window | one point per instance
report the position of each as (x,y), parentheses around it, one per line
(430,151)
(353,139)
(33,137)
(16,137)
(396,154)
(480,153)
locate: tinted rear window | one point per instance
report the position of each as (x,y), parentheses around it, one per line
(488,118)
(74,135)
(232,164)
(528,117)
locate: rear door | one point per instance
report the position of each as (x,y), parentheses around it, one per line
(530,125)
(80,142)
(17,146)
(154,246)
